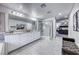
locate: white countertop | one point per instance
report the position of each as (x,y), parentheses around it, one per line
(15,33)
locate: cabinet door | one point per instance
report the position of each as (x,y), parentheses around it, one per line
(24,39)
(12,42)
(16,41)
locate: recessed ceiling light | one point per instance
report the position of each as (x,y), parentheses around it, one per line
(60,14)
(43,5)
(17,13)
(21,15)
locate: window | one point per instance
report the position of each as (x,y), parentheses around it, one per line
(76,21)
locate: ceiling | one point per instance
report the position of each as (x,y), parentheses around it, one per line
(58,10)
(21,19)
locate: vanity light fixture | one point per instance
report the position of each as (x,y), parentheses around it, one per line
(66,16)
(21,15)
(13,12)
(17,13)
(33,19)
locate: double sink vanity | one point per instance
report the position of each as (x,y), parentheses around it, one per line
(14,41)
(21,31)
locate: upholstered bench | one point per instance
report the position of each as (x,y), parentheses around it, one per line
(69,47)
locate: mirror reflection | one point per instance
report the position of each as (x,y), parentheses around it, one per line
(20,24)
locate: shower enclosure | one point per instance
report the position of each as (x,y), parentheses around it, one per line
(46,28)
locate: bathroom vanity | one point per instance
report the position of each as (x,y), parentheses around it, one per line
(17,40)
(2,48)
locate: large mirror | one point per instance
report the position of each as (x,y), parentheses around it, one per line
(20,24)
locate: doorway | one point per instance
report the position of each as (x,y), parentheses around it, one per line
(46,28)
(62,28)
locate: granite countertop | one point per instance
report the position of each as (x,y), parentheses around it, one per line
(70,47)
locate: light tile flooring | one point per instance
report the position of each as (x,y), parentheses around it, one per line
(44,46)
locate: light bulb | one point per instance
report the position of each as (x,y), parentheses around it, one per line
(60,14)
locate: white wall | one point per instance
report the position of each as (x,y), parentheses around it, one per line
(73,34)
(2,22)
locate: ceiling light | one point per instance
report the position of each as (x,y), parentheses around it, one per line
(20,14)
(60,14)
(17,13)
(43,5)
(14,13)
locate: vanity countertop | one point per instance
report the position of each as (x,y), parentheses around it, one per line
(15,33)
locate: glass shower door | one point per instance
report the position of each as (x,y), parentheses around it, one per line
(46,28)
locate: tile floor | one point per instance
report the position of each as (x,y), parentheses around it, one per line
(44,46)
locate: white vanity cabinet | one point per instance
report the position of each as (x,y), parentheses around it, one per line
(18,40)
(2,48)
